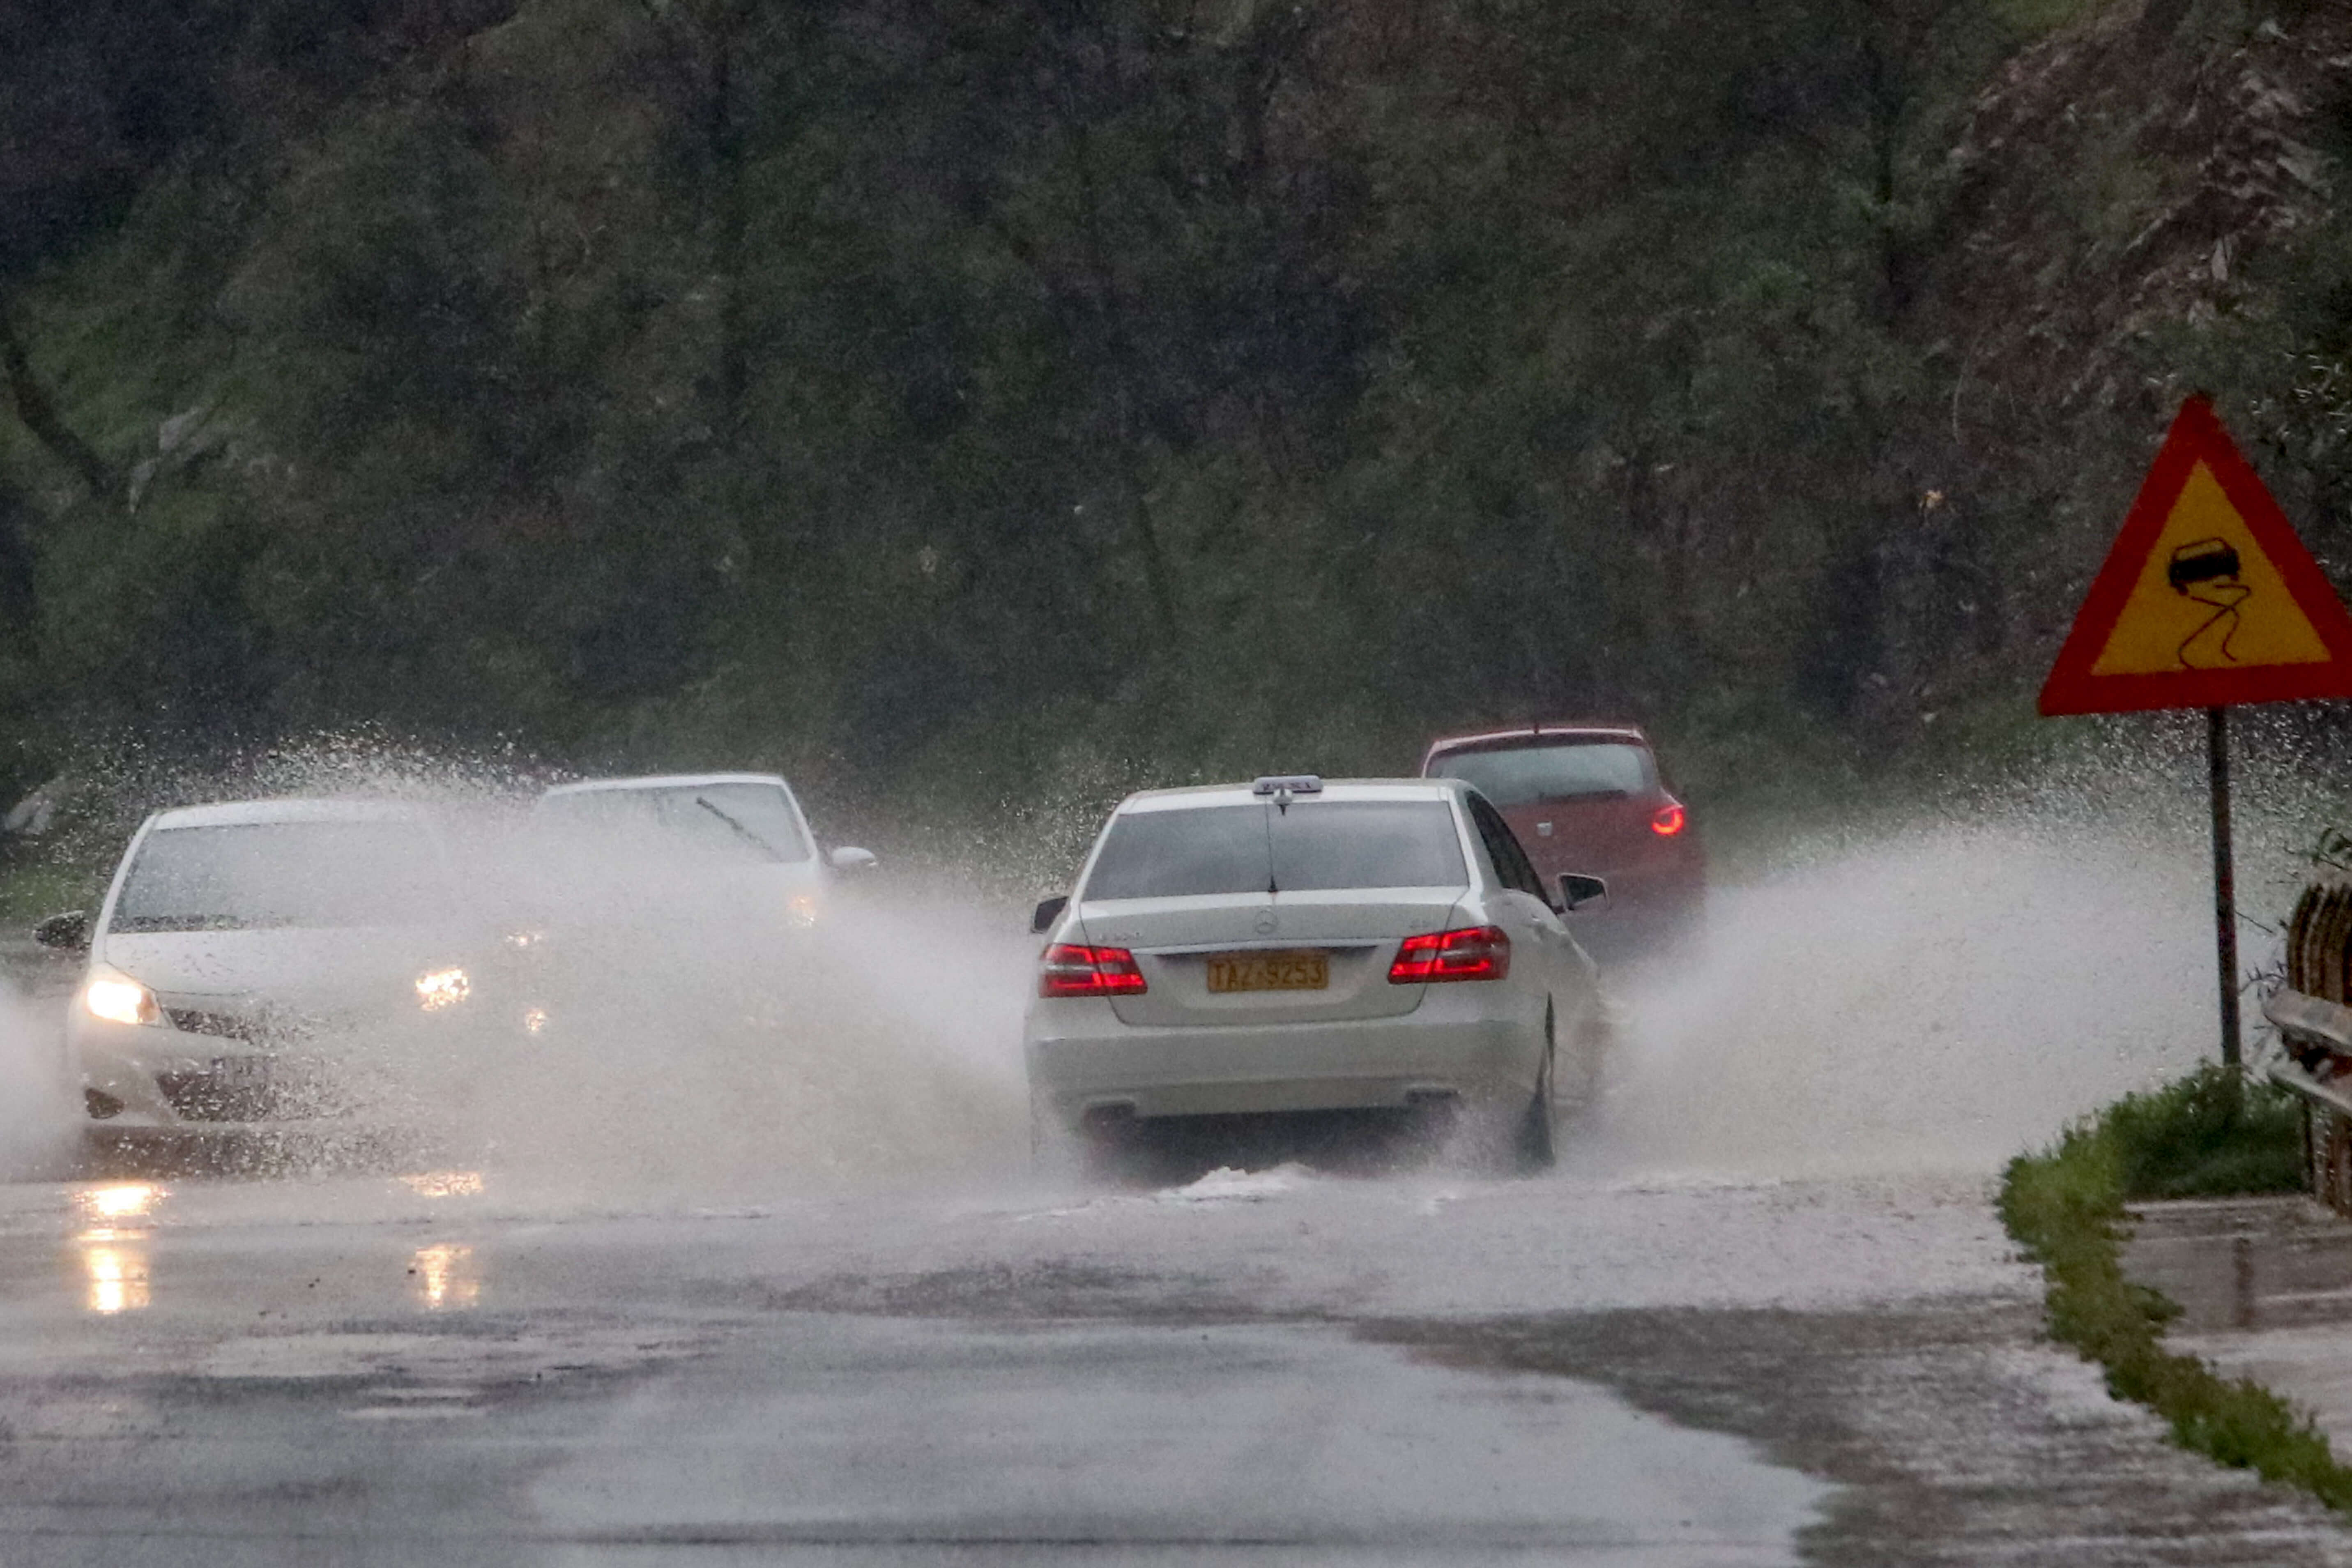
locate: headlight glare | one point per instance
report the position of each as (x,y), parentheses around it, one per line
(443,988)
(119,999)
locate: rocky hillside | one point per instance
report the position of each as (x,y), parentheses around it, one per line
(2147,203)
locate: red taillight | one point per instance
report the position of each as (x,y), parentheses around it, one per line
(1472,953)
(1072,968)
(1668,821)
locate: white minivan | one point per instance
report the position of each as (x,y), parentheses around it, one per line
(269,963)
(1293,945)
(728,848)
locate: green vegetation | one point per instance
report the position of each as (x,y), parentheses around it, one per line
(2208,1135)
(960,403)
(2212,1134)
(29,893)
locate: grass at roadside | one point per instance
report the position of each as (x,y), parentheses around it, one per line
(2208,1135)
(29,893)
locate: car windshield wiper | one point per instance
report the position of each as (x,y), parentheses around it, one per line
(741,831)
(161,923)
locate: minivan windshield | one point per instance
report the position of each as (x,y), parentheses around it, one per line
(1522,775)
(741,821)
(231,876)
(1314,845)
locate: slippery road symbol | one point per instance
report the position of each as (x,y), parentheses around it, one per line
(2207,598)
(2207,573)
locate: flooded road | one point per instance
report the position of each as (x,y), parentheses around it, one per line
(1278,1367)
(774,1307)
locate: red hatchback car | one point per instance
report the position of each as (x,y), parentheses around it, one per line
(1588,798)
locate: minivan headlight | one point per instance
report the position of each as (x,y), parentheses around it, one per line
(112,996)
(442,988)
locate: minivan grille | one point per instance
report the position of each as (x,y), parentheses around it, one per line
(227,1026)
(247,1088)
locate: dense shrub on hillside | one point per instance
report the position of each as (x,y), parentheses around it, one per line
(979,392)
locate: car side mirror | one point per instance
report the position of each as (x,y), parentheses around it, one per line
(1047,913)
(849,857)
(1578,892)
(69,932)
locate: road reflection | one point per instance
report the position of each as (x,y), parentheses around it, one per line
(117,1278)
(115,1219)
(118,1203)
(443,1183)
(445,1278)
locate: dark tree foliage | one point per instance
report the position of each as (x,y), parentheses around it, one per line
(968,391)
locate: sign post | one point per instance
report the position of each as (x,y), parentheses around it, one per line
(2225,877)
(2207,600)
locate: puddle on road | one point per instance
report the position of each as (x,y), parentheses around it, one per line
(117,1219)
(437,1359)
(1105,1441)
(445,1278)
(117,1278)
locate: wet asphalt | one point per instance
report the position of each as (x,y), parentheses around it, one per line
(1346,1359)
(450,1367)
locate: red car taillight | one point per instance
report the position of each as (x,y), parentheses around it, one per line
(1472,953)
(1072,968)
(1668,821)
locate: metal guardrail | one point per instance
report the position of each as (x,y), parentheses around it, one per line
(2318,1034)
(2313,1012)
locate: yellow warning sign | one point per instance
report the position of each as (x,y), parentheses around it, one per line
(2207,599)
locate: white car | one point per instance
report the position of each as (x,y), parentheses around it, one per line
(265,962)
(723,849)
(1294,945)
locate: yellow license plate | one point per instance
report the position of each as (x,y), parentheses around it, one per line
(1270,971)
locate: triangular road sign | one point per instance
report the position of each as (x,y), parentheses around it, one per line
(2208,598)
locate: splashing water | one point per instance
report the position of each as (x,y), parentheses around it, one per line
(1936,998)
(1939,1002)
(35,1111)
(672,1048)
(887,1052)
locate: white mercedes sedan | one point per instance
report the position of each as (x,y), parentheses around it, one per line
(1294,945)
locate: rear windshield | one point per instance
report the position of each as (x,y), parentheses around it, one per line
(714,821)
(1522,775)
(1316,846)
(284,874)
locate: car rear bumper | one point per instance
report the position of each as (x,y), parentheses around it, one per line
(1082,1061)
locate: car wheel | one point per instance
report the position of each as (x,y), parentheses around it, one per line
(1594,1036)
(1086,1154)
(1535,1149)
